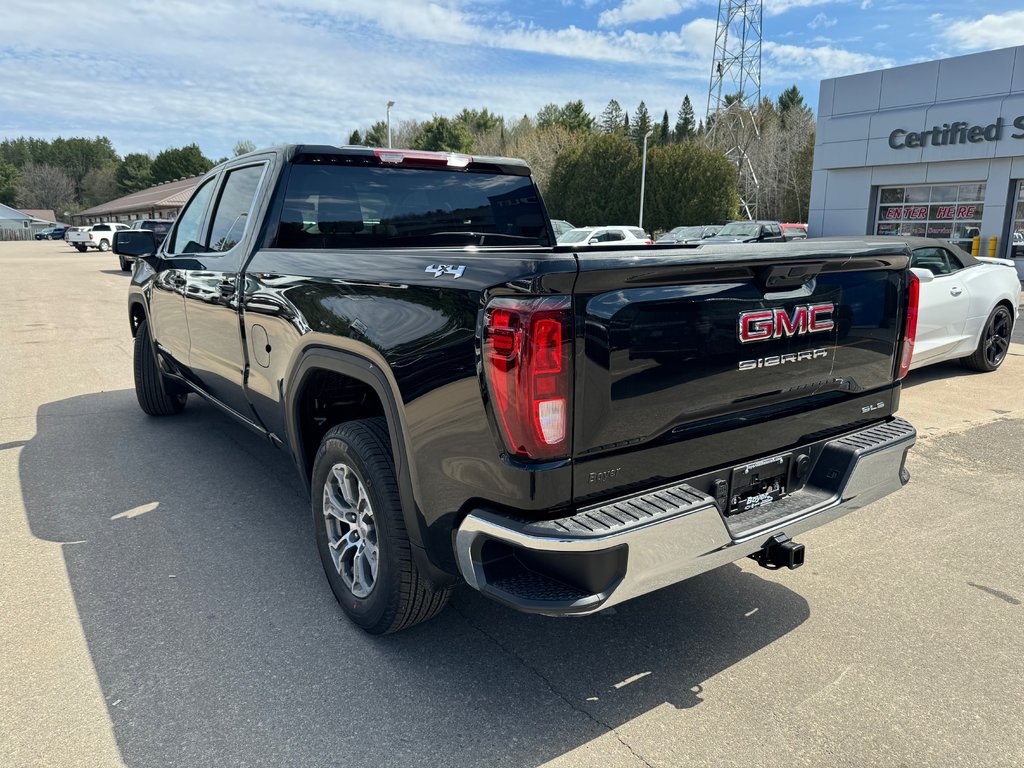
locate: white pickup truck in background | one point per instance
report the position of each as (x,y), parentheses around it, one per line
(99,236)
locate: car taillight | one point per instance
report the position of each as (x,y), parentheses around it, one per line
(910,329)
(527,359)
(90,235)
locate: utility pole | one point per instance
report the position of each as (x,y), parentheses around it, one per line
(643,178)
(390,105)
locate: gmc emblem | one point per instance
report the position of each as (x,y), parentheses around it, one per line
(764,324)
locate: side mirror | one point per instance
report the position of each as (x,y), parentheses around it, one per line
(924,275)
(138,243)
(592,240)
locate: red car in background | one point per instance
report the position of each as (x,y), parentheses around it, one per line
(794,231)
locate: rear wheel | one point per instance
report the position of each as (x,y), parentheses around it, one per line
(360,532)
(81,248)
(104,246)
(994,342)
(150,388)
(125,266)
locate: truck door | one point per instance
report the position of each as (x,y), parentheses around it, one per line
(217,358)
(167,304)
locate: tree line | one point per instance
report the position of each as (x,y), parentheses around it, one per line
(78,173)
(589,167)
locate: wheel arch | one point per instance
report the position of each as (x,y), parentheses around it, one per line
(136,314)
(351,365)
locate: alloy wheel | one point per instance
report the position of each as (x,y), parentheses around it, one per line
(997,337)
(351,530)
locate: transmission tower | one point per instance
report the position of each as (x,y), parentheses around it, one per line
(735,90)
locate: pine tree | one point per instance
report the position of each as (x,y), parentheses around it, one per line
(664,134)
(641,125)
(354,138)
(611,118)
(684,121)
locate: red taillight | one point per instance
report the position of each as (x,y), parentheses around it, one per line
(910,329)
(526,360)
(90,235)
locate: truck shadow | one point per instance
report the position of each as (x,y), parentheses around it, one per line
(215,639)
(950,369)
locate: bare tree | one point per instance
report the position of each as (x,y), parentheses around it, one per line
(540,147)
(44,186)
(405,134)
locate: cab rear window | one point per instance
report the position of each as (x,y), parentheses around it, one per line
(369,206)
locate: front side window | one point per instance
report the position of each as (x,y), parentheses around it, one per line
(186,236)
(234,207)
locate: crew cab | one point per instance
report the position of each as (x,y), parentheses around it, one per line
(99,236)
(560,427)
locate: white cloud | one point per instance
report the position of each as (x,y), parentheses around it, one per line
(778,7)
(989,32)
(642,10)
(314,70)
(821,21)
(865,4)
(792,62)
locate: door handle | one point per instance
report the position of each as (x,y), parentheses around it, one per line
(955,291)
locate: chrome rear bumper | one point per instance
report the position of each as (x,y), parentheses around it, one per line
(618,550)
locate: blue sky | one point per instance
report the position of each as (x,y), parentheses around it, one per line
(152,75)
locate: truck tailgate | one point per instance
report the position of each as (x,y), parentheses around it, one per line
(687,360)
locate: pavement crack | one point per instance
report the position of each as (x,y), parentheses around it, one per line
(551,686)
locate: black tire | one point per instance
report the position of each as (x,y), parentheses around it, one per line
(400,597)
(81,248)
(994,342)
(125,266)
(150,389)
(104,246)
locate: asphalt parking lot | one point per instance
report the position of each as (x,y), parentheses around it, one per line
(161,602)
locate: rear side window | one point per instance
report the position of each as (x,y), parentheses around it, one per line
(231,216)
(367,207)
(935,259)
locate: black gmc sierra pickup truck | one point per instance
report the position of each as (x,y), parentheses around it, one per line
(562,428)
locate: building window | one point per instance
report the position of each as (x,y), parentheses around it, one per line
(944,211)
(1017,230)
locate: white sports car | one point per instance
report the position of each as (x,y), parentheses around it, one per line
(967,305)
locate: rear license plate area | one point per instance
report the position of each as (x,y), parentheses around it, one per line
(758,484)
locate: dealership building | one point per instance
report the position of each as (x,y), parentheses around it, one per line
(933,149)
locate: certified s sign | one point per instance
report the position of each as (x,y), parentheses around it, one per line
(765,324)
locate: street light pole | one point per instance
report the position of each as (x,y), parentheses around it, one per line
(390,105)
(643,178)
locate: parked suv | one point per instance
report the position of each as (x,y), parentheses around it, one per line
(749,232)
(605,236)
